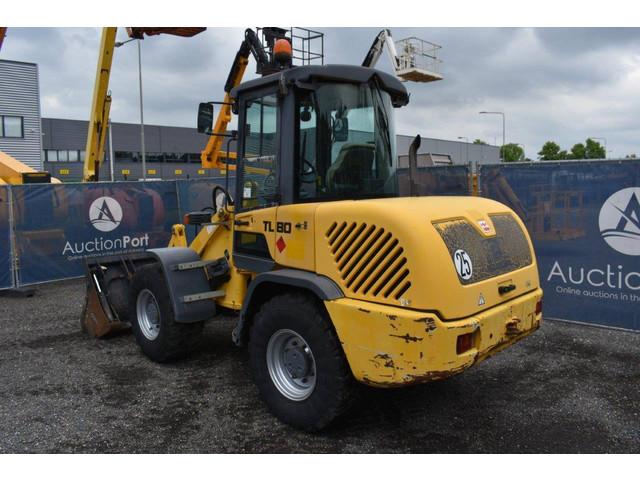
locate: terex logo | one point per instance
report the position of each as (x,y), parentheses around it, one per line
(620,221)
(105,214)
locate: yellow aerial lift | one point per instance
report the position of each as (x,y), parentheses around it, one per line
(14,172)
(332,276)
(101,100)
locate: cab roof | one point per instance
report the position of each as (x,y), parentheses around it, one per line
(330,73)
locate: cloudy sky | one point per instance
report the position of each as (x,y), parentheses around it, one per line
(563,84)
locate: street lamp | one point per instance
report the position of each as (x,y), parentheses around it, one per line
(503,127)
(605,144)
(143,152)
(466,139)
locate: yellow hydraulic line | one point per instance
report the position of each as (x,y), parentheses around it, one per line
(100,106)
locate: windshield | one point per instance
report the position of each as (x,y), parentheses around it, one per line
(346,143)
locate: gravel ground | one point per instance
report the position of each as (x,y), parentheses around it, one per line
(567,388)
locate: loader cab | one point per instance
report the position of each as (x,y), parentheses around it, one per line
(316,133)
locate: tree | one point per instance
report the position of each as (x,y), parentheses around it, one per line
(551,151)
(578,151)
(477,141)
(594,149)
(512,152)
(630,156)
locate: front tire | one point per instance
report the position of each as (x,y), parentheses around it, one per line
(298,363)
(157,333)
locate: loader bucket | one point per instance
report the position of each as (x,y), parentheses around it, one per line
(107,303)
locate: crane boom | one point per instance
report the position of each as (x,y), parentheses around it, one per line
(382,40)
(100,107)
(101,102)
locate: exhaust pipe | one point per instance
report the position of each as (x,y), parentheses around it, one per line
(413,165)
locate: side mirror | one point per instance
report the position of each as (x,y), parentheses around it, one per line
(205,118)
(341,129)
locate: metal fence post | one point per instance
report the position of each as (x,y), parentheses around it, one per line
(13,254)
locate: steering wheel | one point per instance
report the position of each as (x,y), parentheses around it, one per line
(221,197)
(311,170)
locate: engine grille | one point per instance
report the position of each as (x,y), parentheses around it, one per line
(508,250)
(369,259)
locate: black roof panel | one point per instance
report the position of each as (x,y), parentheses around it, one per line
(341,73)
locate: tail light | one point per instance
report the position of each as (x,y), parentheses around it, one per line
(464,343)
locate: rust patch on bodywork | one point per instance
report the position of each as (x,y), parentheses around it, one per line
(388,361)
(407,338)
(412,379)
(430,323)
(392,317)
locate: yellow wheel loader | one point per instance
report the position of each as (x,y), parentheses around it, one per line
(333,277)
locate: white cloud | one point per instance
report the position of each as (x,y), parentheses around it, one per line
(560,84)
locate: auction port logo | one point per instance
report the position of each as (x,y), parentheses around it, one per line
(620,221)
(105,214)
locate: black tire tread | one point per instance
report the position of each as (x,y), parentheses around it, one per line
(176,340)
(335,401)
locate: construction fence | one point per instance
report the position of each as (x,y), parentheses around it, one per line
(584,221)
(48,230)
(583,218)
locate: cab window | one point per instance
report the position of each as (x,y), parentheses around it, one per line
(260,156)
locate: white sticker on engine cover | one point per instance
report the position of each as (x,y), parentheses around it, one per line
(463,264)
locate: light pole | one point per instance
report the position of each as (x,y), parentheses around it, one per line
(466,139)
(503,128)
(605,144)
(110,150)
(142,147)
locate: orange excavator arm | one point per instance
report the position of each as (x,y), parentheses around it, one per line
(212,155)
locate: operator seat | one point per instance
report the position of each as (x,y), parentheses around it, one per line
(352,168)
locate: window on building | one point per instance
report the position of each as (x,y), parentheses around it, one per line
(63,155)
(73,155)
(11,126)
(51,155)
(126,156)
(152,157)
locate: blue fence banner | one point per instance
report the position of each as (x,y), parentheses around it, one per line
(584,220)
(6,271)
(437,180)
(58,226)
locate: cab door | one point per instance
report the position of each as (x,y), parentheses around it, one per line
(257,183)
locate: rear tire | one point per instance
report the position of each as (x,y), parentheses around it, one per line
(298,363)
(153,321)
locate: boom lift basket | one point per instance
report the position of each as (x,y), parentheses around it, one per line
(417,60)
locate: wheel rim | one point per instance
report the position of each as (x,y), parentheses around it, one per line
(291,365)
(148,314)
